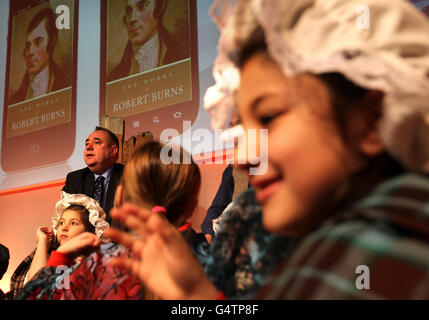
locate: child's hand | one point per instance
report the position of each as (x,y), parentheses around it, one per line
(44,235)
(84,243)
(163,259)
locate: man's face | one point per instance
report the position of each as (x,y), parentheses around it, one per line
(99,154)
(36,53)
(139,20)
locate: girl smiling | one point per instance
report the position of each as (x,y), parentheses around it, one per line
(346,111)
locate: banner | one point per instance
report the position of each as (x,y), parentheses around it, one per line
(40,90)
(149,63)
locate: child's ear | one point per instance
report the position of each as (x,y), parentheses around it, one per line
(370,142)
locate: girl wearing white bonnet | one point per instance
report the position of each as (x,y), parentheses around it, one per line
(94,217)
(343,88)
(78,220)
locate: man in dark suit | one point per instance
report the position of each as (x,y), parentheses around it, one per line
(102,174)
(149,44)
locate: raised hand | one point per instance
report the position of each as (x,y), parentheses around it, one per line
(84,243)
(163,259)
(44,234)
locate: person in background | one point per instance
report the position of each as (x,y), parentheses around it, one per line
(221,200)
(168,189)
(43,74)
(149,44)
(348,153)
(101,176)
(4,263)
(233,183)
(243,253)
(75,215)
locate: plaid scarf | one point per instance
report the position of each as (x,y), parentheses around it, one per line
(386,233)
(18,277)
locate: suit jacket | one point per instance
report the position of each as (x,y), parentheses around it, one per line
(82,181)
(59,82)
(173,51)
(222,199)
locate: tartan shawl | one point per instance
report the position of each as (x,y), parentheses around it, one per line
(18,276)
(387,231)
(94,278)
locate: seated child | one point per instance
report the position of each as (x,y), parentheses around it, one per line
(75,214)
(149,181)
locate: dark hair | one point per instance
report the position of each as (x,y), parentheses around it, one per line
(344,95)
(113,138)
(255,44)
(48,16)
(158,11)
(148,181)
(84,216)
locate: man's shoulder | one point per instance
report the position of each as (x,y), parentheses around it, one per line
(118,166)
(78,173)
(118,169)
